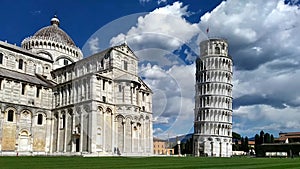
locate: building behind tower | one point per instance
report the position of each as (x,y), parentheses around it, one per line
(213,100)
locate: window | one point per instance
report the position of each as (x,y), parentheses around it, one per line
(120,88)
(21,64)
(102,63)
(23,89)
(125,65)
(38,89)
(65,62)
(104,99)
(65,76)
(63,121)
(10,115)
(40,119)
(1,84)
(103,86)
(1,58)
(217,50)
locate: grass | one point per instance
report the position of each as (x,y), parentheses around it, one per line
(148,162)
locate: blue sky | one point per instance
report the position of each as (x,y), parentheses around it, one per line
(80,19)
(263,39)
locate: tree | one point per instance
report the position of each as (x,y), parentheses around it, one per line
(242,148)
(272,138)
(246,144)
(257,142)
(261,137)
(257,139)
(267,138)
(236,136)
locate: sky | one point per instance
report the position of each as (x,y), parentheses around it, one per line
(263,39)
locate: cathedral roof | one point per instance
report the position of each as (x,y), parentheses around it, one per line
(24,77)
(54,33)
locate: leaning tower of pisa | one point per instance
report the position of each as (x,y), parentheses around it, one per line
(213,100)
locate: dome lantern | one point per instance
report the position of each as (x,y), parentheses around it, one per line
(55,21)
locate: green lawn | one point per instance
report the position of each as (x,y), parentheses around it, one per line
(147,162)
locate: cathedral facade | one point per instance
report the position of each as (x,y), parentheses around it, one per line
(213,100)
(55,102)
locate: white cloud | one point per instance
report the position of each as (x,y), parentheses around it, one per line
(94,45)
(144,1)
(173,96)
(267,118)
(162,2)
(154,39)
(157,131)
(164,28)
(262,38)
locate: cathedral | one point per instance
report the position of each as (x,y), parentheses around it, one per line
(213,100)
(54,101)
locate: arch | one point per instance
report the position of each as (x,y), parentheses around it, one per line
(128,118)
(64,57)
(100,108)
(27,112)
(109,110)
(217,50)
(147,118)
(215,76)
(216,88)
(119,116)
(48,54)
(24,133)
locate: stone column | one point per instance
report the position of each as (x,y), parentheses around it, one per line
(104,127)
(58,131)
(144,136)
(220,149)
(124,135)
(132,139)
(73,148)
(112,133)
(81,131)
(150,136)
(51,132)
(65,130)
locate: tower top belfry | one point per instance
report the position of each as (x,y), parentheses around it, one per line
(214,46)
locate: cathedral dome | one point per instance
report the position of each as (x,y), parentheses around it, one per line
(54,33)
(51,42)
